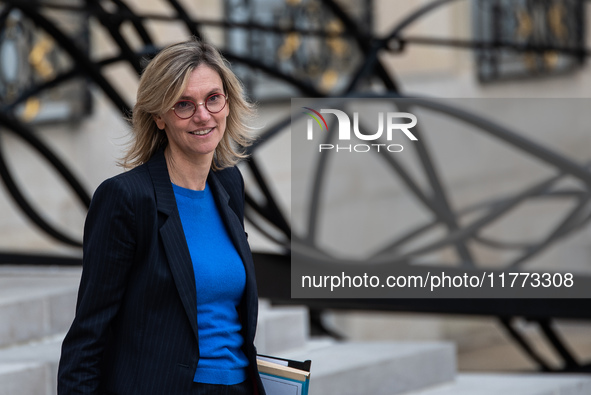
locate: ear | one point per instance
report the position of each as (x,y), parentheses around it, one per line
(159,122)
(227,108)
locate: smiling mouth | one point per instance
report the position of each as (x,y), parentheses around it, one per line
(201,132)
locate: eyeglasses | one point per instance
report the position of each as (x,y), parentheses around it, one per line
(185,109)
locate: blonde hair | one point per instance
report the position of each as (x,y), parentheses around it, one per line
(161,85)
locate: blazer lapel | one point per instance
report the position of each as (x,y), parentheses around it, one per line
(231,220)
(173,238)
(238,237)
(177,251)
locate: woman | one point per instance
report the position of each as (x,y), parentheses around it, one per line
(167,301)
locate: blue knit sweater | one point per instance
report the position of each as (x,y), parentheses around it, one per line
(220,280)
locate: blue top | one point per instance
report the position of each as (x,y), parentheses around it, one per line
(220,279)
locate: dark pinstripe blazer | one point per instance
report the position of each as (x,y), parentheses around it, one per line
(135,330)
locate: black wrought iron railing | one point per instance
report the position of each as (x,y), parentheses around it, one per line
(134,42)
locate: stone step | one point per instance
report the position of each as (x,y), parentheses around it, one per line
(513,384)
(30,369)
(377,368)
(337,368)
(36,302)
(281,328)
(23,379)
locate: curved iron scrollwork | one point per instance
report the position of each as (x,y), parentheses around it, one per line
(307,75)
(435,199)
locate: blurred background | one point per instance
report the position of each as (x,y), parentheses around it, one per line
(68,77)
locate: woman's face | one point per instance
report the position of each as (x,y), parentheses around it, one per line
(196,137)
